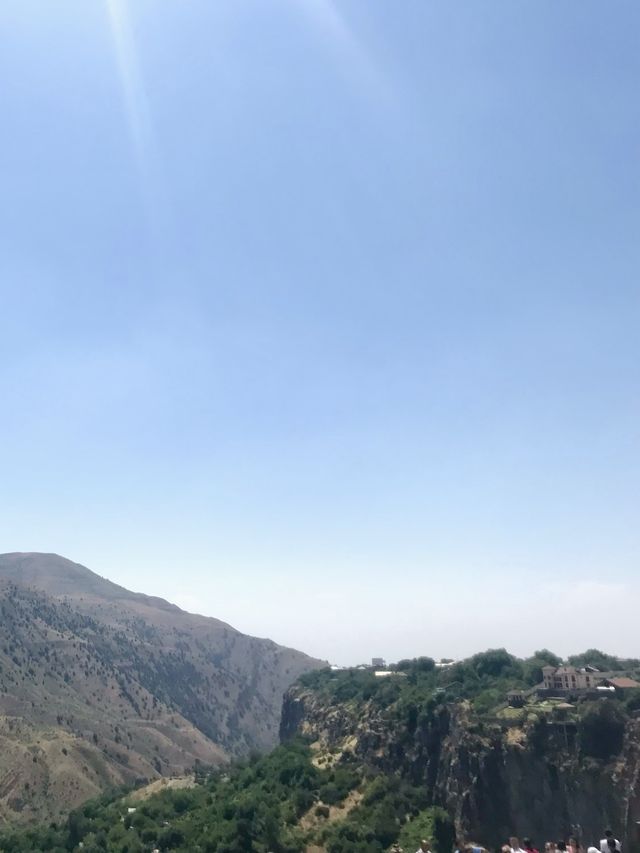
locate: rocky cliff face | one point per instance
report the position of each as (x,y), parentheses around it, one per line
(496,779)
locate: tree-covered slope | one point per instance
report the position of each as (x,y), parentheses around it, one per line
(283,803)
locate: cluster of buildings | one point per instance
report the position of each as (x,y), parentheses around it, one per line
(563,680)
(570,682)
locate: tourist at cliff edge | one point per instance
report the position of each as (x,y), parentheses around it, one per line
(514,843)
(609,843)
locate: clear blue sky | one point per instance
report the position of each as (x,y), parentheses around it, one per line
(323,318)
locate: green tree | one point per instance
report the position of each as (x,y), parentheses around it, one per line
(433,823)
(532,667)
(603,661)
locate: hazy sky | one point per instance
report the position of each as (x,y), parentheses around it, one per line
(324,318)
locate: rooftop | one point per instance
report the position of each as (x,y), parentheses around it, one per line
(623,683)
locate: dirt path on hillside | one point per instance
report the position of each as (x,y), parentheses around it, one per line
(161,785)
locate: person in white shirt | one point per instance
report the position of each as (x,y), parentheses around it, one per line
(425,846)
(610,843)
(514,843)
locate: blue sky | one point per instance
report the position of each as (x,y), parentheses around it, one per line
(322,318)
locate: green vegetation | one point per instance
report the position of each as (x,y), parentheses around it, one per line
(391,808)
(352,686)
(255,808)
(603,661)
(483,679)
(434,824)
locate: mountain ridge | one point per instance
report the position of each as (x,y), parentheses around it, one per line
(131,686)
(11,562)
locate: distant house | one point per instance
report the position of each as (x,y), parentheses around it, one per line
(566,679)
(516,698)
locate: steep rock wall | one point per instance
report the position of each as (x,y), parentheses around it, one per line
(495,779)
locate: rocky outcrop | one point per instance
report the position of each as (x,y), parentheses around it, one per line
(494,778)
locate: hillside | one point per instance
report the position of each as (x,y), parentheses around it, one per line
(100,687)
(368,763)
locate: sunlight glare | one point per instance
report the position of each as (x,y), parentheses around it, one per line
(138,116)
(134,95)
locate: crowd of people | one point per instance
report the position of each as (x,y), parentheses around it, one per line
(608,844)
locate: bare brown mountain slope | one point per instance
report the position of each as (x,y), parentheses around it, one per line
(99,686)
